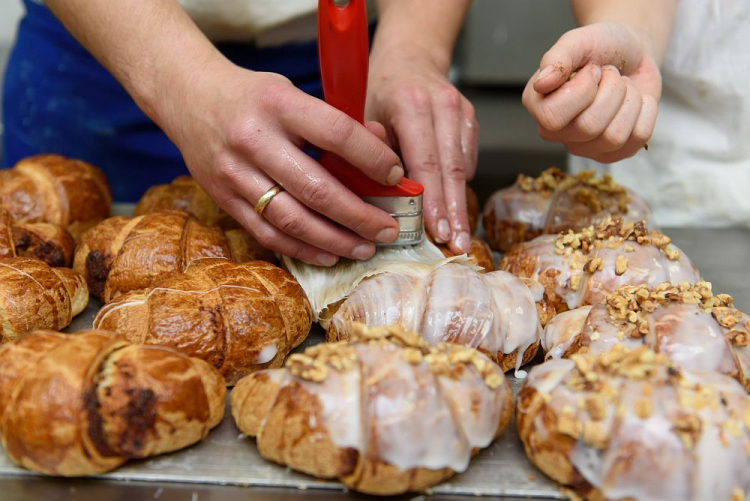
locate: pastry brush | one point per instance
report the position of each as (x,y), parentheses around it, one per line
(343,44)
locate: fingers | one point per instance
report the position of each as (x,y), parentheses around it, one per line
(592,121)
(555,111)
(469,138)
(333,130)
(449,123)
(568,54)
(315,188)
(642,131)
(415,130)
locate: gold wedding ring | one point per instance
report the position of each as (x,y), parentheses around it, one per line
(266,198)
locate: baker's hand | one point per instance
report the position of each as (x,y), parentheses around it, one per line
(434,128)
(243,132)
(597,92)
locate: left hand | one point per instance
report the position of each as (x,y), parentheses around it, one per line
(434,128)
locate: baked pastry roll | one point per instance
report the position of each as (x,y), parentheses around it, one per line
(555,202)
(237,317)
(577,269)
(480,254)
(630,425)
(385,413)
(697,330)
(497,313)
(35,296)
(123,254)
(44,241)
(82,404)
(58,190)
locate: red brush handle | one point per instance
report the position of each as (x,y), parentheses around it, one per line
(343,50)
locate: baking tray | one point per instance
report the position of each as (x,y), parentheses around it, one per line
(226,457)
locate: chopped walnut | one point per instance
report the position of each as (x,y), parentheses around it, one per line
(412,355)
(595,435)
(595,407)
(688,428)
(643,408)
(575,282)
(567,424)
(621,265)
(593,265)
(739,338)
(307,368)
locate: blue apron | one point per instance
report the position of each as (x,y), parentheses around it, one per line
(58,99)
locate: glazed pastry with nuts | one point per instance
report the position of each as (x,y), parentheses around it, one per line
(82,404)
(578,269)
(237,317)
(34,295)
(385,413)
(57,190)
(124,254)
(698,330)
(44,241)
(630,425)
(555,202)
(496,313)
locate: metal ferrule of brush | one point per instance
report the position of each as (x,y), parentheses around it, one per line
(407,211)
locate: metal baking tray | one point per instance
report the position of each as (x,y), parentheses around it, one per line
(227,457)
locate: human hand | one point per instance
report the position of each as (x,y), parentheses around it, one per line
(242,132)
(597,92)
(435,129)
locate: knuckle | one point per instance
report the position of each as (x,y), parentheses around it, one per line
(339,126)
(615,137)
(291,223)
(428,165)
(549,118)
(315,195)
(455,169)
(226,168)
(449,96)
(274,94)
(589,128)
(247,137)
(418,98)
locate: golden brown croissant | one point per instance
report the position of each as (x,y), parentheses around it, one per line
(184,193)
(36,296)
(85,403)
(696,329)
(47,242)
(629,425)
(577,269)
(237,317)
(555,202)
(385,413)
(58,190)
(124,254)
(496,313)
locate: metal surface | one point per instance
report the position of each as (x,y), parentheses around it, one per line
(228,458)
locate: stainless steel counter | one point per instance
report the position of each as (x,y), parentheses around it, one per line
(226,466)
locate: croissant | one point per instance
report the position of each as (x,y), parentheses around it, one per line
(237,317)
(58,190)
(696,329)
(124,254)
(555,202)
(47,242)
(497,313)
(385,413)
(479,255)
(629,425)
(184,193)
(36,296)
(582,268)
(83,404)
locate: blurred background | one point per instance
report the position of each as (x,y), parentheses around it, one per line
(500,47)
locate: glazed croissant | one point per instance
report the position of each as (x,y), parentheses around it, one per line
(58,190)
(555,202)
(237,317)
(629,425)
(47,242)
(124,254)
(83,404)
(697,330)
(496,313)
(187,195)
(385,413)
(582,268)
(36,296)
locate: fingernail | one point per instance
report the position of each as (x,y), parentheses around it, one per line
(387,235)
(394,175)
(363,251)
(444,231)
(463,242)
(597,71)
(326,259)
(610,67)
(545,72)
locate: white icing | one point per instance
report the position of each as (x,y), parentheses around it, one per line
(562,330)
(494,311)
(267,353)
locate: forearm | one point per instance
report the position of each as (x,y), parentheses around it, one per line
(652,18)
(438,21)
(150,46)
